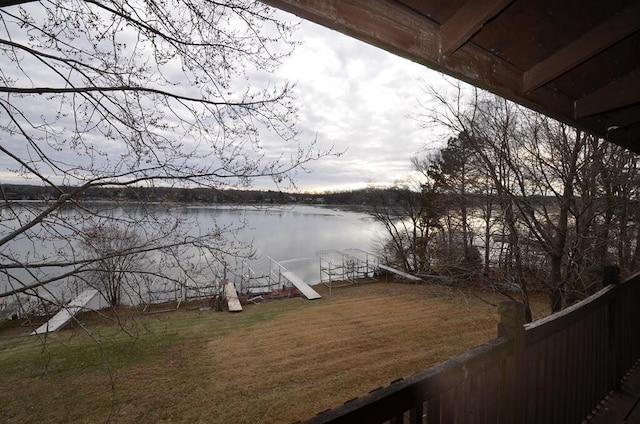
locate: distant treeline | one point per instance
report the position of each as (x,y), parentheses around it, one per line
(362,197)
(151,194)
(199,195)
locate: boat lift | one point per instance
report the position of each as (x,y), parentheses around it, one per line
(340,268)
(274,278)
(255,282)
(368,264)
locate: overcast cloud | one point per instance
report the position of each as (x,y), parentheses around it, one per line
(352,96)
(358,98)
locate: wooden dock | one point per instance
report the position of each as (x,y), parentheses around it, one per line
(233,303)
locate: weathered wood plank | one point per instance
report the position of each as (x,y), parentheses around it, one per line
(467,20)
(615,95)
(448,407)
(530,379)
(488,396)
(588,45)
(233,303)
(590,384)
(634,417)
(416,414)
(545,327)
(631,384)
(617,407)
(433,410)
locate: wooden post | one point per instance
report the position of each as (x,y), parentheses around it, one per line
(511,326)
(615,374)
(611,275)
(512,320)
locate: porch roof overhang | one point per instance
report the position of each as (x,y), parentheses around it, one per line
(577,61)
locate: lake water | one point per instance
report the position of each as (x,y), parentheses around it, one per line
(291,235)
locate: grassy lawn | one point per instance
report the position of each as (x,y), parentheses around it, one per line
(277,362)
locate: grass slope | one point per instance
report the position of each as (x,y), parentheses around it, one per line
(276,362)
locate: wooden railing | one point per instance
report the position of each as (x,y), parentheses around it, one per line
(555,370)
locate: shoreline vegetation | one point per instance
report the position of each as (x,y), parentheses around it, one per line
(357,200)
(16,192)
(277,362)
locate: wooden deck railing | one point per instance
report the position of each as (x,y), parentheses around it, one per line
(555,370)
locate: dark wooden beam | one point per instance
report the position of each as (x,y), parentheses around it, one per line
(468,20)
(582,49)
(6,3)
(383,23)
(615,95)
(629,139)
(627,117)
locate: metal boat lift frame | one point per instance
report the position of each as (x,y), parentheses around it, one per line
(346,267)
(278,277)
(268,280)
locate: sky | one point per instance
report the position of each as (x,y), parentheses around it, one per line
(354,98)
(360,99)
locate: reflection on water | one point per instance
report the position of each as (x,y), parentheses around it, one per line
(290,235)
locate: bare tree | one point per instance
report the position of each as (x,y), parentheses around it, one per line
(456,179)
(410,214)
(136,93)
(559,193)
(486,126)
(616,175)
(116,260)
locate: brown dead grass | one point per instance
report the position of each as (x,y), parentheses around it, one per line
(276,362)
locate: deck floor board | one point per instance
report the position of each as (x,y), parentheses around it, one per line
(622,406)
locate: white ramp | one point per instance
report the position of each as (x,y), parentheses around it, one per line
(78,304)
(304,288)
(400,273)
(233,303)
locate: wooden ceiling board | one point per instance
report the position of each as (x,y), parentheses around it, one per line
(617,62)
(617,94)
(528,31)
(439,11)
(628,118)
(467,21)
